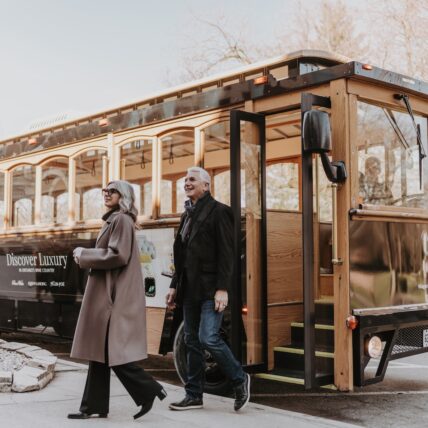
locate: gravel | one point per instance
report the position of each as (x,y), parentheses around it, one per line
(10,360)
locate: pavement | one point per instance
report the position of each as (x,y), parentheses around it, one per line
(48,408)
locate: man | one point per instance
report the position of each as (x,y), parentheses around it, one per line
(203,258)
(372,190)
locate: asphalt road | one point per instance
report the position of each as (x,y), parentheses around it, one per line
(401,400)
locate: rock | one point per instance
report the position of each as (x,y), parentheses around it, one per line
(24,383)
(28,348)
(31,371)
(37,353)
(11,360)
(5,387)
(48,358)
(44,363)
(12,346)
(30,379)
(5,381)
(46,380)
(2,341)
(5,377)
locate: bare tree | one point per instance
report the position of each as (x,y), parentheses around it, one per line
(331,26)
(388,33)
(219,46)
(401,34)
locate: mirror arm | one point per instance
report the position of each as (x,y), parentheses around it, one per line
(335,171)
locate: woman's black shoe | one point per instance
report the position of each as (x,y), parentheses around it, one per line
(162,394)
(147,406)
(83,415)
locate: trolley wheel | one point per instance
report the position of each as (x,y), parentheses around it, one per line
(215,380)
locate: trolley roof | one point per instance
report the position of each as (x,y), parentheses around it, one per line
(286,73)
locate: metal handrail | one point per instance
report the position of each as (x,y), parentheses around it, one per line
(336,260)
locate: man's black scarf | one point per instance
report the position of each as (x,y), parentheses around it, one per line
(191,212)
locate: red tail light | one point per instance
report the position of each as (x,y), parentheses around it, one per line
(351,322)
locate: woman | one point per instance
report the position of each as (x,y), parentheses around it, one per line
(111,329)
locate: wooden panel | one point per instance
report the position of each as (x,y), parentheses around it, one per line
(284,257)
(155,319)
(279,330)
(280,102)
(341,123)
(326,285)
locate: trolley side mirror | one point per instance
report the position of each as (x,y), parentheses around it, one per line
(316,136)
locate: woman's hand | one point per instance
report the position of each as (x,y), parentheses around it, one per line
(77,253)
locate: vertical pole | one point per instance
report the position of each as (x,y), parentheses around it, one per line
(71,191)
(8,199)
(156,177)
(105,173)
(308,256)
(38,196)
(235,198)
(122,174)
(199,147)
(112,158)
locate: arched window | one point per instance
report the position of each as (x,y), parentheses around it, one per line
(54,201)
(23,195)
(217,160)
(136,161)
(89,182)
(178,154)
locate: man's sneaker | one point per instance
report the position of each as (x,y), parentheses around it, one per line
(242,393)
(187,403)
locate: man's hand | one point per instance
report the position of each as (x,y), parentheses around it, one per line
(170,298)
(220,300)
(77,253)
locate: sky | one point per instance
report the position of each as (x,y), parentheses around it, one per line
(80,57)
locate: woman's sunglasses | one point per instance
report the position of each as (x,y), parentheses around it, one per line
(109,192)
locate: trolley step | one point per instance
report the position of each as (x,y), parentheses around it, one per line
(324,335)
(293,358)
(295,377)
(324,311)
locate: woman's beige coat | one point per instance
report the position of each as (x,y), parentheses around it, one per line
(114,298)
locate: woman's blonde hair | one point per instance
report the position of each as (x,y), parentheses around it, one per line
(127,197)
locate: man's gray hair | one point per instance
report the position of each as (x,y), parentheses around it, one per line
(127,197)
(205,176)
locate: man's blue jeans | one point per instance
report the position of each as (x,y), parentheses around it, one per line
(202,331)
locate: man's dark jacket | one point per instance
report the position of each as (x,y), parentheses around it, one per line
(207,256)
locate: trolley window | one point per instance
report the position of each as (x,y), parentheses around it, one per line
(54,202)
(217,159)
(388,157)
(178,154)
(136,167)
(89,182)
(23,195)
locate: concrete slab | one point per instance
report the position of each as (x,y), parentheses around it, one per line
(48,408)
